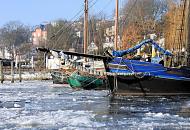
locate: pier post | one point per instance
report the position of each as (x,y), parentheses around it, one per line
(91,71)
(19,71)
(95,72)
(12,71)
(1,71)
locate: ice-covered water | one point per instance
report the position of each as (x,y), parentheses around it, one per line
(41,105)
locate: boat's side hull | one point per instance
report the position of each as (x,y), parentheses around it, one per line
(85,82)
(59,78)
(131,85)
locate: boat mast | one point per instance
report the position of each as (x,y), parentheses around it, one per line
(85,25)
(116,25)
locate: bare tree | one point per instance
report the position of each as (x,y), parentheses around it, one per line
(143,17)
(97,30)
(14,33)
(60,35)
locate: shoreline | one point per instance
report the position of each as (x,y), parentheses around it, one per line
(29,76)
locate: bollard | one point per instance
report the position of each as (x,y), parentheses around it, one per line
(12,72)
(1,71)
(19,71)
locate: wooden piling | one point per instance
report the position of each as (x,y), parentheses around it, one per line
(19,71)
(95,72)
(91,71)
(12,72)
(1,71)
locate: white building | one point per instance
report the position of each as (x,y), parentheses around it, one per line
(53,63)
(92,48)
(5,53)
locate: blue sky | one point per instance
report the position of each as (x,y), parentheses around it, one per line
(34,12)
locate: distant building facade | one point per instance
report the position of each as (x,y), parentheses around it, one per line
(39,36)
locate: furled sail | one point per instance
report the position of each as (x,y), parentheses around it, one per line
(148,41)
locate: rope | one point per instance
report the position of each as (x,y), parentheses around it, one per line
(75,77)
(88,77)
(73,18)
(141,75)
(91,82)
(69,27)
(132,66)
(132,70)
(137,74)
(118,65)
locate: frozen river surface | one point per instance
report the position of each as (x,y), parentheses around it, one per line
(41,105)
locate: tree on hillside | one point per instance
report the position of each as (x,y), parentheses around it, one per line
(174,26)
(175,31)
(97,27)
(14,34)
(131,35)
(142,17)
(60,35)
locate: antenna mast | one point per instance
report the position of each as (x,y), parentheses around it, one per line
(85,25)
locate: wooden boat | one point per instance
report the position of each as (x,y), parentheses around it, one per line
(59,77)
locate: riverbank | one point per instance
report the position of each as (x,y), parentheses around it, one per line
(43,75)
